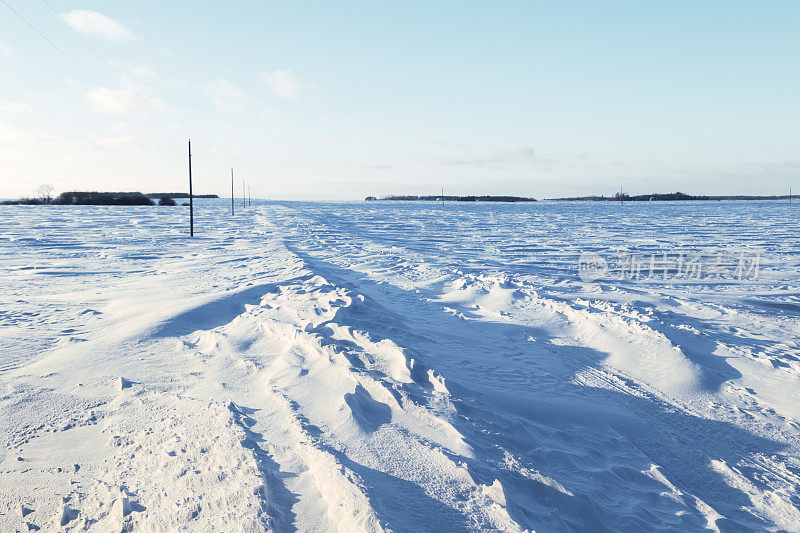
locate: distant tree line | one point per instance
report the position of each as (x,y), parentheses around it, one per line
(43,196)
(178,195)
(92,198)
(439,198)
(102,198)
(665,197)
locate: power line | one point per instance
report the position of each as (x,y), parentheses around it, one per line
(77,33)
(108,64)
(99,55)
(43,36)
(86,73)
(83,70)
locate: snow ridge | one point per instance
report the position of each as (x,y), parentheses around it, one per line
(306,367)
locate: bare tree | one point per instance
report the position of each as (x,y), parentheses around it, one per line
(45,193)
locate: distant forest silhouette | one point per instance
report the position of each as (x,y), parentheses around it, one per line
(665,197)
(439,198)
(105,198)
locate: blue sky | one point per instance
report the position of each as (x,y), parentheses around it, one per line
(337,100)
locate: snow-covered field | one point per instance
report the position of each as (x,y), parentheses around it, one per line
(396,366)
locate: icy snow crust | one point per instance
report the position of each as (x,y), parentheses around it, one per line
(406,367)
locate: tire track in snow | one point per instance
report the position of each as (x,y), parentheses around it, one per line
(370,261)
(316,360)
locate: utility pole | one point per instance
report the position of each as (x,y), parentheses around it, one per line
(232,210)
(191,196)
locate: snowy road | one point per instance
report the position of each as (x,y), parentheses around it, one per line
(401,367)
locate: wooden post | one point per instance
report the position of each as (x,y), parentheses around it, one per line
(244,203)
(232,210)
(191,195)
(249,197)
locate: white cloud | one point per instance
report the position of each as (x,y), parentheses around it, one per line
(520,154)
(97,24)
(144,72)
(123,101)
(4,49)
(227,97)
(220,154)
(17,139)
(126,142)
(284,84)
(12,137)
(15,108)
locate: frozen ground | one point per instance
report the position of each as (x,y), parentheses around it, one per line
(395,366)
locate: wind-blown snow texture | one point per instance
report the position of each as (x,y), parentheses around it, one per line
(407,367)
